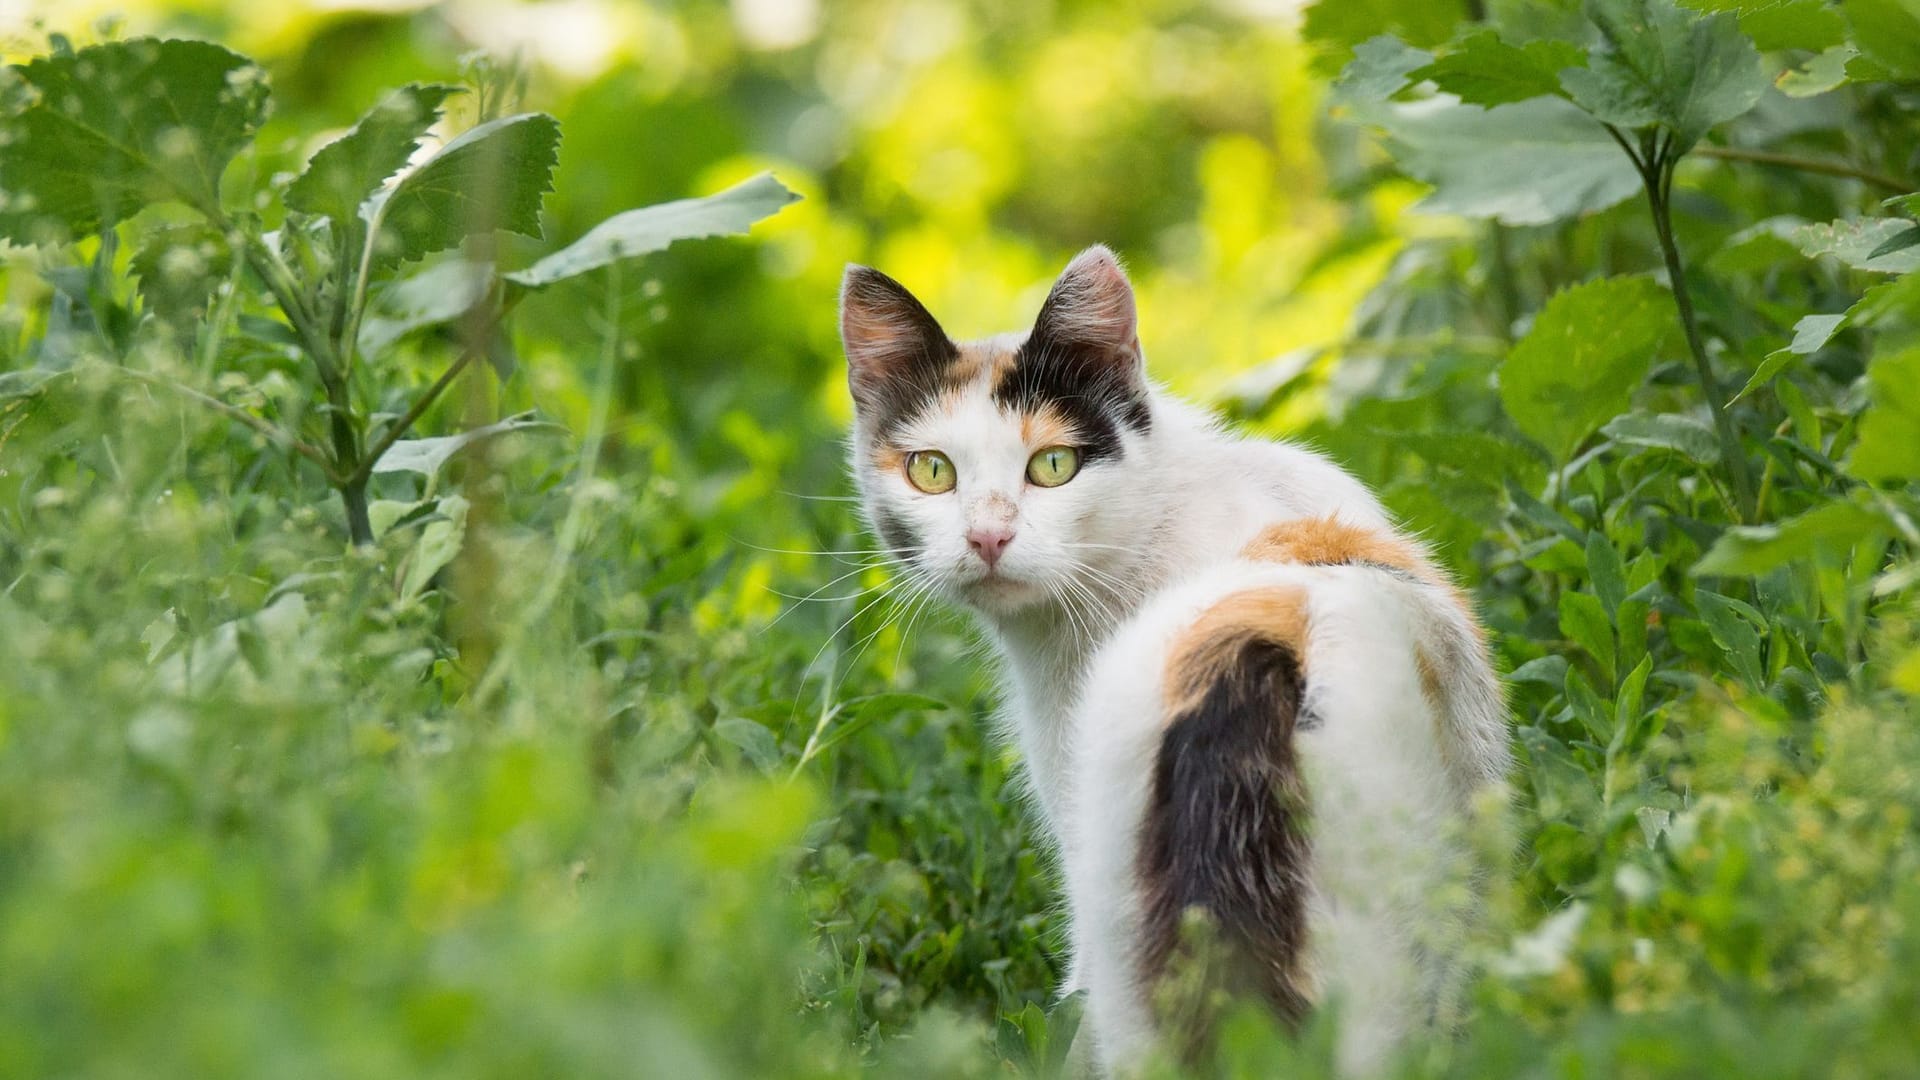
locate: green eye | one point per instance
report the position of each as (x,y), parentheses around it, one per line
(930,471)
(1053,466)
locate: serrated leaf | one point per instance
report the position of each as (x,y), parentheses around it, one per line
(115,127)
(179,268)
(1810,335)
(1855,242)
(1888,32)
(1831,529)
(428,456)
(1889,446)
(1483,70)
(1695,439)
(1777,25)
(1378,70)
(440,293)
(652,228)
(1528,163)
(1336,27)
(1578,366)
(490,178)
(346,171)
(1659,65)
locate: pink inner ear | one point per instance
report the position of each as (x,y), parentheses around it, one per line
(886,332)
(1091,304)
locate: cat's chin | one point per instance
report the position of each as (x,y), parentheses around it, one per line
(1002,595)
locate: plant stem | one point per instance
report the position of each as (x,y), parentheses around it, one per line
(1806,164)
(353,495)
(420,405)
(273,434)
(1657,176)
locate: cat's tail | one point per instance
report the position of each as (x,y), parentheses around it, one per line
(1225,829)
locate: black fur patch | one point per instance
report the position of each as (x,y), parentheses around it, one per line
(1096,392)
(894,386)
(893,532)
(1225,833)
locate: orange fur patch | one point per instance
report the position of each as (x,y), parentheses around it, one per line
(1328,541)
(1045,427)
(888,458)
(977,358)
(1200,655)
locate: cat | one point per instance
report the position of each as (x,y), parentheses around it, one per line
(1237,688)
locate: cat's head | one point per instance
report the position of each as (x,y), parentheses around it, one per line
(1004,469)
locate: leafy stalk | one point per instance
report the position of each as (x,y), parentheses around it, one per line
(1655,161)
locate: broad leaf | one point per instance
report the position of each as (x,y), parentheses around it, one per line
(428,456)
(1889,446)
(1777,25)
(1338,26)
(1378,70)
(440,293)
(652,228)
(1888,32)
(1666,431)
(1528,163)
(1483,70)
(346,171)
(1658,65)
(490,178)
(116,127)
(1829,530)
(1587,351)
(1856,242)
(1818,75)
(179,268)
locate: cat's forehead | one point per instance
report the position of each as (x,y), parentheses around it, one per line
(973,403)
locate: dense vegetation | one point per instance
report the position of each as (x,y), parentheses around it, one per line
(368,710)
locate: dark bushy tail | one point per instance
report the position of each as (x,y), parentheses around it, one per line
(1225,828)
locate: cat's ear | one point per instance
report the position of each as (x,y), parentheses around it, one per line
(893,343)
(1090,311)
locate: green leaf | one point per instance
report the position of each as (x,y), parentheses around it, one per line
(1732,625)
(652,228)
(441,537)
(490,178)
(1889,446)
(1900,241)
(1666,431)
(1378,70)
(1528,163)
(1474,454)
(1583,619)
(346,171)
(179,268)
(1337,26)
(1777,25)
(1810,335)
(1825,72)
(1659,65)
(441,293)
(1606,572)
(752,738)
(1483,70)
(1888,32)
(1857,243)
(428,456)
(115,127)
(1578,366)
(1831,529)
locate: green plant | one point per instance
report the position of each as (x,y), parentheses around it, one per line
(97,136)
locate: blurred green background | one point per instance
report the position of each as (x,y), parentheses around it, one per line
(726,812)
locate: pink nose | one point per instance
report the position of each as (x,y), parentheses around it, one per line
(989,543)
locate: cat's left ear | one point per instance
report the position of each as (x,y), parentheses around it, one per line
(1090,312)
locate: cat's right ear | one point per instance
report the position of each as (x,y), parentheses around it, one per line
(895,348)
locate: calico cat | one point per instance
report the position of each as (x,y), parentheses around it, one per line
(1239,691)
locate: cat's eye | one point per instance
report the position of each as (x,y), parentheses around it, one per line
(1053,466)
(930,471)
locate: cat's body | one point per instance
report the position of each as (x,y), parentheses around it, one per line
(1207,643)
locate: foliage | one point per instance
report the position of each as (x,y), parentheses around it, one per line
(549,778)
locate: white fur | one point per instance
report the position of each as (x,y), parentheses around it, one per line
(1103,573)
